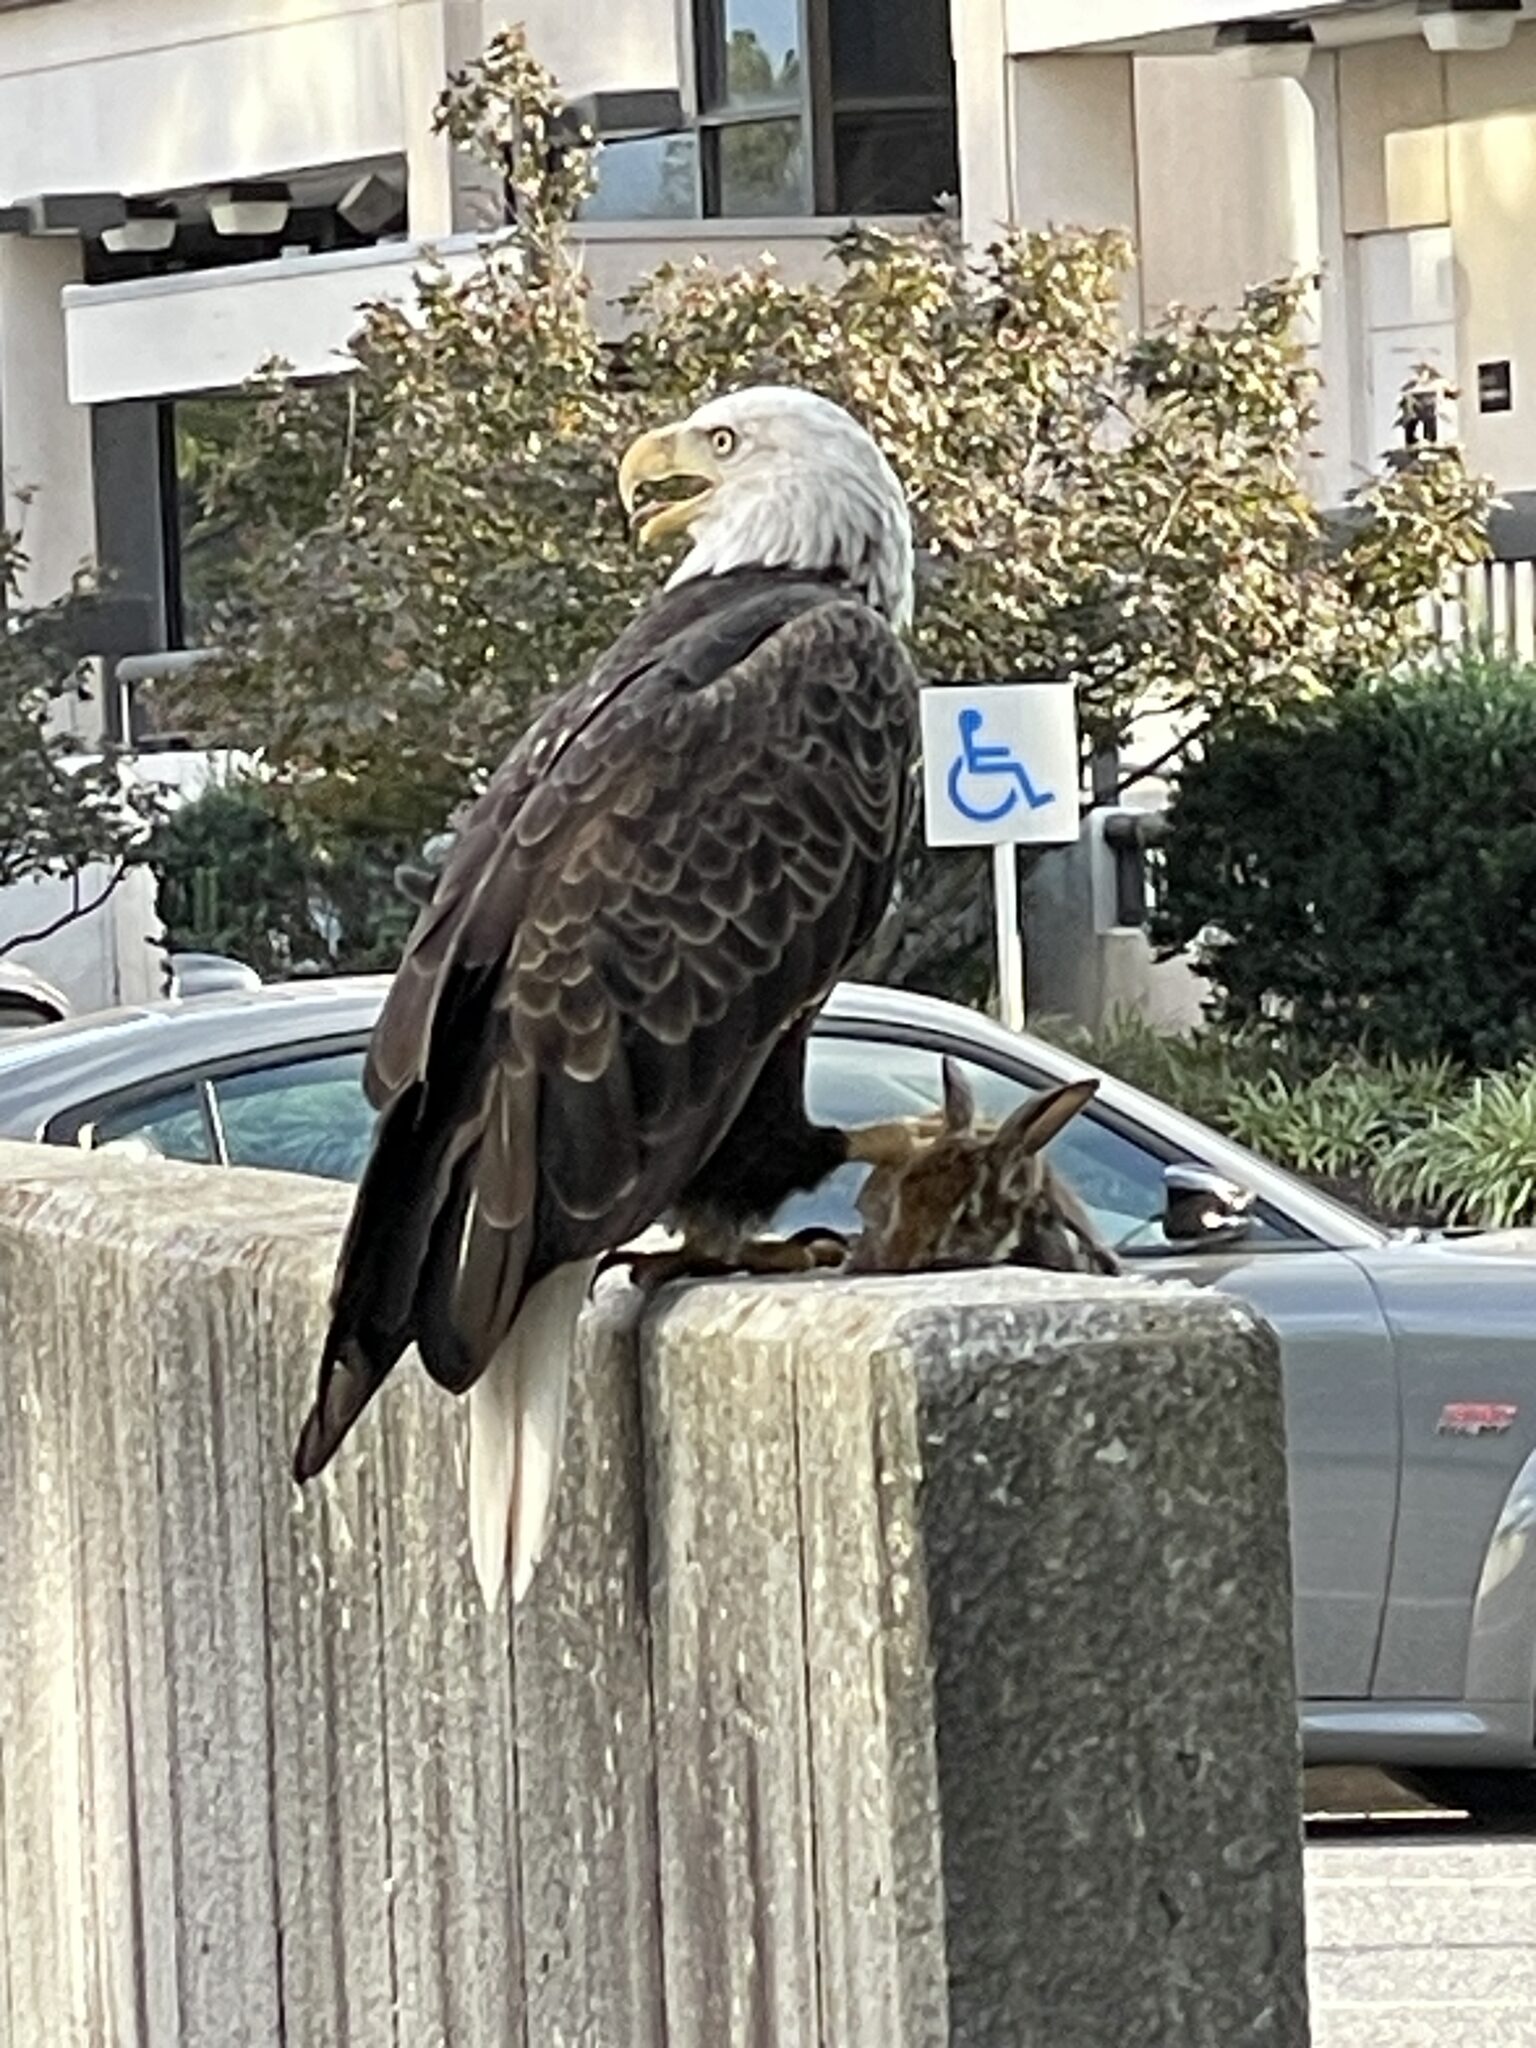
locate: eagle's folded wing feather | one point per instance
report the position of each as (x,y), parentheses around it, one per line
(672,867)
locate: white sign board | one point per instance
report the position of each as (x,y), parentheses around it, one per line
(1000,764)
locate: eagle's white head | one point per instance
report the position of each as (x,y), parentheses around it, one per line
(785,479)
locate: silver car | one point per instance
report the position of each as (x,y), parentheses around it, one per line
(27,1001)
(1410,1360)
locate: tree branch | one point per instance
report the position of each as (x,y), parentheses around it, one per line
(967,928)
(76,910)
(1155,767)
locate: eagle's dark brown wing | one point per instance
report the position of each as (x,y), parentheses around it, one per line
(678,860)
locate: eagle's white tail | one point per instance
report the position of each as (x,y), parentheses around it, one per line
(516,1422)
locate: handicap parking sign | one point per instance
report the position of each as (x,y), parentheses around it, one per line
(1000,764)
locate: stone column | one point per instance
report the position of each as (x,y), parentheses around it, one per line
(987,141)
(45,442)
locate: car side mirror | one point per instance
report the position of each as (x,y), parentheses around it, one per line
(1204,1208)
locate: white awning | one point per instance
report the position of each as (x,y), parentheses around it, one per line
(211,330)
(1168,26)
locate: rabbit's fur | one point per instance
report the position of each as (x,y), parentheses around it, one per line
(970,1198)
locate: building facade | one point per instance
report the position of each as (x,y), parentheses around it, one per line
(187,191)
(189,188)
(1390,146)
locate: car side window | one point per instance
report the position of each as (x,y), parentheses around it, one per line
(306,1116)
(1119,1182)
(852,1081)
(170,1125)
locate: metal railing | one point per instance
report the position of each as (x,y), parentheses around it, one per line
(1491,605)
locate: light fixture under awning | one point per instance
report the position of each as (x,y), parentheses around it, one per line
(1453,27)
(148,227)
(251,206)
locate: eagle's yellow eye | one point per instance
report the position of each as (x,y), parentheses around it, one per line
(722,440)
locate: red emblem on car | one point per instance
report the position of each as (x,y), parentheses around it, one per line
(1477,1418)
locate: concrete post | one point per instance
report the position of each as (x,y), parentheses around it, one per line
(910,1668)
(1105,1532)
(1066,1500)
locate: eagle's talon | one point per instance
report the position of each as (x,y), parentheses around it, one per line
(893,1144)
(808,1251)
(651,1271)
(805,1252)
(826,1249)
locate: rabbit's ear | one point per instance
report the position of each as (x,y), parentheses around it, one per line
(1034,1123)
(959,1102)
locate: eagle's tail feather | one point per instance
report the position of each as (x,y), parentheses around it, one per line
(516,1425)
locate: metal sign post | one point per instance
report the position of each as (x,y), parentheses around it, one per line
(1010,935)
(1000,769)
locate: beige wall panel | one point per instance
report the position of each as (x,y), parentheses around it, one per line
(1392,108)
(1228,178)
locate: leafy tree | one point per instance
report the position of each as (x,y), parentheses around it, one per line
(60,813)
(1126,509)
(236,877)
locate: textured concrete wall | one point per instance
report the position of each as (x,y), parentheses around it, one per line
(1033,1526)
(267,1773)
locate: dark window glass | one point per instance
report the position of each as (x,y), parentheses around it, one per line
(310,1116)
(210,543)
(894,159)
(209,549)
(761,169)
(887,50)
(753,55)
(872,83)
(652,177)
(168,1126)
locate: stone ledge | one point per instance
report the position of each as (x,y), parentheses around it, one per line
(911,1667)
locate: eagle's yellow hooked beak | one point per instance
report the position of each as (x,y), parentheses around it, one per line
(665,455)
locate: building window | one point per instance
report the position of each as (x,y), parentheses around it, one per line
(202,554)
(647,177)
(824,106)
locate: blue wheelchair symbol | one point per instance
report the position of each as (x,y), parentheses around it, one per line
(994,763)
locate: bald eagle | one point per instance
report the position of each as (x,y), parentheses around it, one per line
(600,1019)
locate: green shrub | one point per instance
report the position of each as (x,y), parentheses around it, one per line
(1361,872)
(1364,1130)
(1476,1163)
(1340,1123)
(1337,1121)
(1198,1074)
